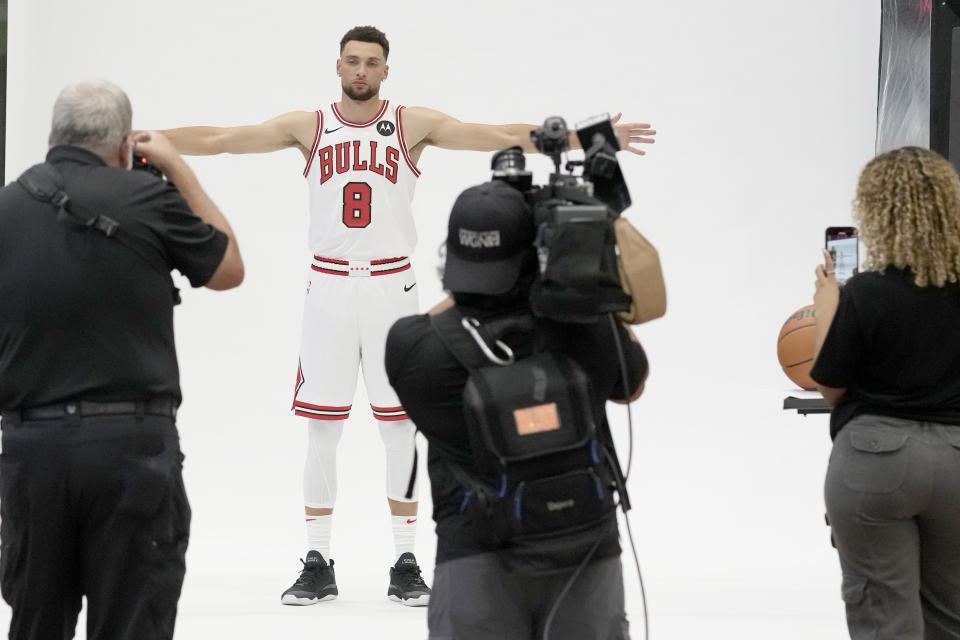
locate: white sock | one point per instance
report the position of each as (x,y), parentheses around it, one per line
(318,534)
(404,533)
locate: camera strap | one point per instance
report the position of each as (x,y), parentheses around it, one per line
(44,183)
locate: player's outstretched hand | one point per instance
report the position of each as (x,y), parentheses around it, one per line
(631,134)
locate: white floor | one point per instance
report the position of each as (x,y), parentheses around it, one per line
(243,605)
(239,605)
(729,548)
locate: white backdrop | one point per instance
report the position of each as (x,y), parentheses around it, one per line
(766,113)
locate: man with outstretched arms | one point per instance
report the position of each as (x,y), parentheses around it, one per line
(361,167)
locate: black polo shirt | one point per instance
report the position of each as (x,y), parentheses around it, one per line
(81,315)
(429,382)
(896,349)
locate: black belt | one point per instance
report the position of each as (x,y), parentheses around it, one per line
(165,407)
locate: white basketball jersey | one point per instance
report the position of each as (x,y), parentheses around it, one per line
(361,184)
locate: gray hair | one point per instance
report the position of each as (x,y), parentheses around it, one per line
(93,114)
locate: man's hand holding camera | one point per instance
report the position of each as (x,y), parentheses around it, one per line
(160,152)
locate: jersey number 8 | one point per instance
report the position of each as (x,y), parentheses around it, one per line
(356,205)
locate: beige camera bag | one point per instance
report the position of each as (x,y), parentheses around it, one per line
(640,274)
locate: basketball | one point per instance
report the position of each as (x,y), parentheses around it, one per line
(795,346)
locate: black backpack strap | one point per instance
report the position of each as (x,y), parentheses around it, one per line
(44,183)
(483,493)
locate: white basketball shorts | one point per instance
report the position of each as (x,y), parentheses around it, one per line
(349,308)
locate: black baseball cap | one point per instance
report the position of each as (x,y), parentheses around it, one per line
(489,233)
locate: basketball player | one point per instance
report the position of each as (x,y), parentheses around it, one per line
(361,167)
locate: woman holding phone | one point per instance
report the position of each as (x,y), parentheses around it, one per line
(888,361)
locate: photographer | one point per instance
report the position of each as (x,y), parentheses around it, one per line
(92,496)
(888,361)
(490,266)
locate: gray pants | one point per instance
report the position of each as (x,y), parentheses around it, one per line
(474,598)
(893,500)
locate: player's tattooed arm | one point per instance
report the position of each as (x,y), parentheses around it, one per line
(296,129)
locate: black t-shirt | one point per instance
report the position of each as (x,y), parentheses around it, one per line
(429,382)
(896,348)
(82,315)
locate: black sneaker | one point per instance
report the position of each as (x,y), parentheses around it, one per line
(316,583)
(406,584)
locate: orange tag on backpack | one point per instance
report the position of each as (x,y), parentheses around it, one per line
(536,419)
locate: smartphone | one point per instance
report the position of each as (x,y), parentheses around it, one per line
(841,242)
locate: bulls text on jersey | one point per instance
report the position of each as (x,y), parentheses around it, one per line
(349,156)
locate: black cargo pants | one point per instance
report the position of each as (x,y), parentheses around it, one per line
(893,499)
(95,507)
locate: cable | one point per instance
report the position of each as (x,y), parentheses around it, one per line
(621,357)
(566,587)
(583,563)
(643,589)
(626,518)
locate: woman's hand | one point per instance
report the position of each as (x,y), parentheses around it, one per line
(826,298)
(827,293)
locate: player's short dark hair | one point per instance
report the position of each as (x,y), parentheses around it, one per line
(366,34)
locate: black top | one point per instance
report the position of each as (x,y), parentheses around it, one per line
(81,315)
(896,349)
(429,382)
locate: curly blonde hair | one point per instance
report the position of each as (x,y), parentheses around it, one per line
(908,208)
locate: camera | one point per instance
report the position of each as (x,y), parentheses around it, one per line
(141,163)
(576,246)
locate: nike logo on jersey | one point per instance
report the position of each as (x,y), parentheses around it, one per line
(411,521)
(349,156)
(332,130)
(406,288)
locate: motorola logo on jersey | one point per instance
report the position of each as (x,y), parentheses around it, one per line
(385,128)
(354,156)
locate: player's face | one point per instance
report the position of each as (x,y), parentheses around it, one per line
(361,68)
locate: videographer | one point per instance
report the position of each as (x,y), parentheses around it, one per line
(92,495)
(490,266)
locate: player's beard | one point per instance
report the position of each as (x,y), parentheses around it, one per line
(360,96)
